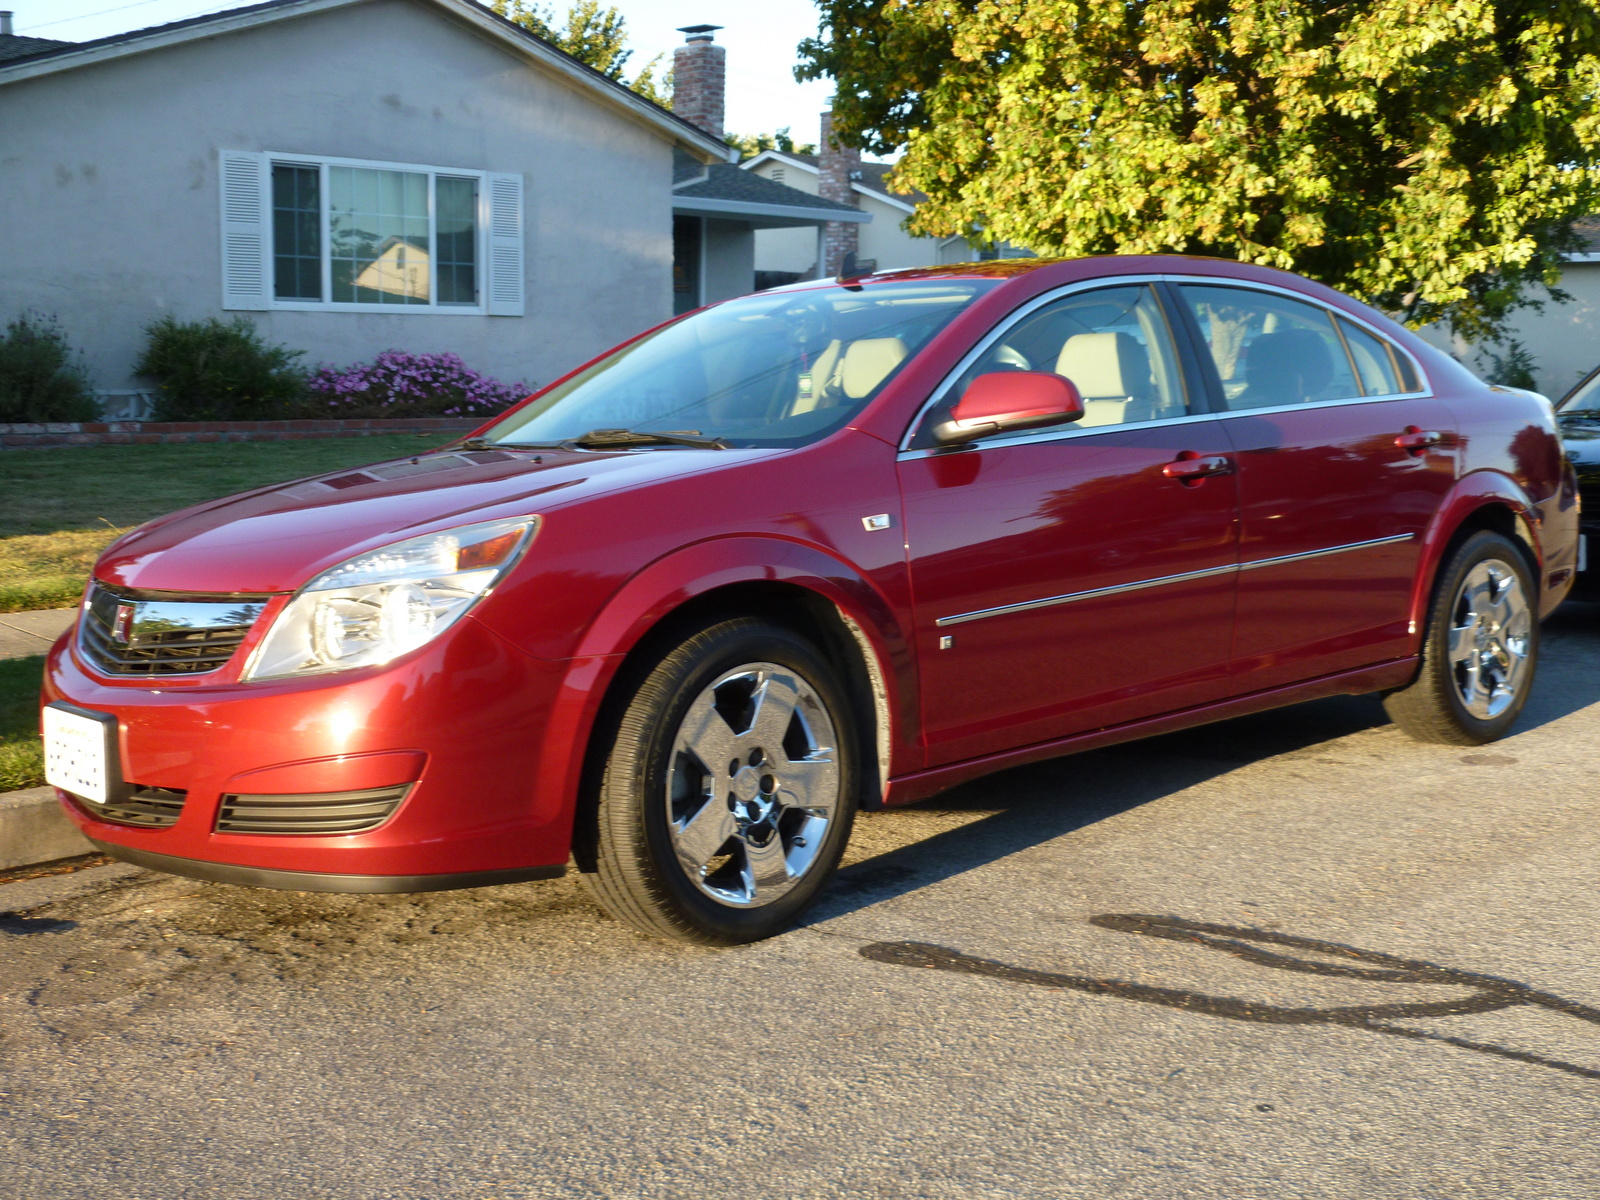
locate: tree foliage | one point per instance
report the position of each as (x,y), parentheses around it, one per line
(1429,155)
(751,144)
(592,35)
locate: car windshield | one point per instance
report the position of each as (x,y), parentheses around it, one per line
(1585,401)
(773,369)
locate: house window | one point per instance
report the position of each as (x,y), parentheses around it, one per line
(393,237)
(359,236)
(296,233)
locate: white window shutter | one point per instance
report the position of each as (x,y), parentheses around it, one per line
(245,242)
(505,290)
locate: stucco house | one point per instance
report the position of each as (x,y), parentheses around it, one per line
(1562,339)
(722,214)
(354,175)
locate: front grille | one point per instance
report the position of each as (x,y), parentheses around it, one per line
(166,633)
(149,808)
(310,812)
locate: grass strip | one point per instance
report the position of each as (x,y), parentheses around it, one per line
(82,487)
(48,570)
(21,751)
(59,508)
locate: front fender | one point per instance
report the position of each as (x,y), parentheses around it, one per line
(662,587)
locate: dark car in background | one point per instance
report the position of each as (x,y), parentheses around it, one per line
(1579,417)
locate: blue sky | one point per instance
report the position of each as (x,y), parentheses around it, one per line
(760,37)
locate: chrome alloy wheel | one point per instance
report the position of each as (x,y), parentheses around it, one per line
(1490,627)
(752,785)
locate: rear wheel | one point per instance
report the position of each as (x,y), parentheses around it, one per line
(729,790)
(1480,649)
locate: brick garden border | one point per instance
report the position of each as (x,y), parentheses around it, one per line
(131,433)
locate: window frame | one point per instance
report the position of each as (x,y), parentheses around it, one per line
(1197,398)
(271,159)
(1202,384)
(1212,382)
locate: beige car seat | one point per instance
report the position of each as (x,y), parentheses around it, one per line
(867,363)
(1112,372)
(821,370)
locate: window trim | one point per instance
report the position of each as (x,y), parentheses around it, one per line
(1022,313)
(270,159)
(1190,335)
(1208,367)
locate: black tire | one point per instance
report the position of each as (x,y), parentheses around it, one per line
(1435,708)
(653,784)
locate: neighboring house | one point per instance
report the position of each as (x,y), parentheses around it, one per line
(1563,339)
(720,213)
(784,256)
(13,45)
(354,175)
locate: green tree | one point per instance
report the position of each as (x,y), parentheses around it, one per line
(751,144)
(1428,155)
(593,35)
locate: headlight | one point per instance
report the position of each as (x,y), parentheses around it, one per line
(376,607)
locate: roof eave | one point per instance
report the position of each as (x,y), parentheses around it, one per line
(496,28)
(705,206)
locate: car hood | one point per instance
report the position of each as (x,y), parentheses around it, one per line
(277,538)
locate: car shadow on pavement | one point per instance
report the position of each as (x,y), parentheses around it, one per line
(1569,666)
(1050,799)
(1059,796)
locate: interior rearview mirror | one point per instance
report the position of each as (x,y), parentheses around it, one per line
(1001,401)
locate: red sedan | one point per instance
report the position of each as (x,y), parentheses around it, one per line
(845,544)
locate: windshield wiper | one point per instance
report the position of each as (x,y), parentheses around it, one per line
(597,439)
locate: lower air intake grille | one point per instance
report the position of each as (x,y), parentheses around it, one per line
(149,808)
(311,812)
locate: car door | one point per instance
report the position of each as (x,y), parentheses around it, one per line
(1063,580)
(1342,461)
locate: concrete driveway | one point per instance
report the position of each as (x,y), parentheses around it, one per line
(1290,956)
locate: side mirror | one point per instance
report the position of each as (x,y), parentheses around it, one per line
(1005,400)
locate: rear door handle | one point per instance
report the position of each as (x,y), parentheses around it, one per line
(1191,467)
(1415,440)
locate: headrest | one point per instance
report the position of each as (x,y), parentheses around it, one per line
(1105,364)
(1293,364)
(867,364)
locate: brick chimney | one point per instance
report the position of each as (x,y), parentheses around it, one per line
(839,169)
(699,79)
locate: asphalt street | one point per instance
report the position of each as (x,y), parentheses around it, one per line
(1294,955)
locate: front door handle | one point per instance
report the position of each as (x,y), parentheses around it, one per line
(1415,440)
(1191,467)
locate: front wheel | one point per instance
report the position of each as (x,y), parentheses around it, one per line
(1480,649)
(729,789)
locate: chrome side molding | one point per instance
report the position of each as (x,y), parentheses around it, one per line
(1163,580)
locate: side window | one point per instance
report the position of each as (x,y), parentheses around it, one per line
(1271,350)
(1375,362)
(1113,343)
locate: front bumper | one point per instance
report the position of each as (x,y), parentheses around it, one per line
(465,721)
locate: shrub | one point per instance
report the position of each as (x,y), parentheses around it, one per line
(1514,368)
(41,379)
(216,370)
(397,384)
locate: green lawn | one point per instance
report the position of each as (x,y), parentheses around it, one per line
(21,754)
(60,507)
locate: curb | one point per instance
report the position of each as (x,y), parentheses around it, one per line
(34,830)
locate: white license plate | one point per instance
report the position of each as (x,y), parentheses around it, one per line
(78,753)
